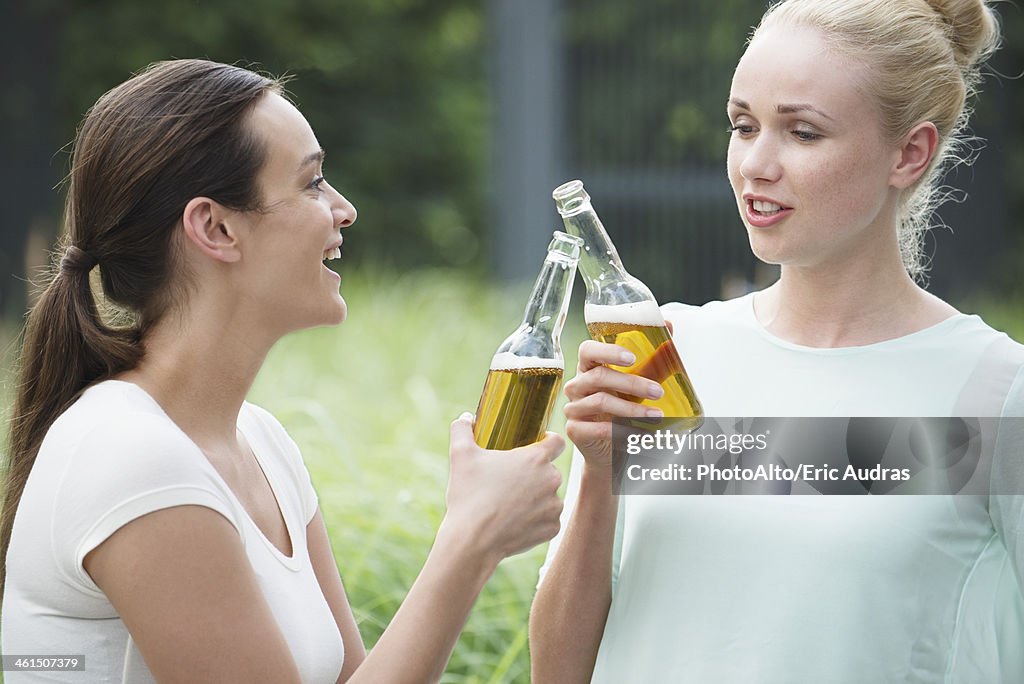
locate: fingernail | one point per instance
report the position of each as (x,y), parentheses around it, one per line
(655,391)
(655,413)
(627,358)
(467,416)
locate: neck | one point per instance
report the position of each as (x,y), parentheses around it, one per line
(852,303)
(199,366)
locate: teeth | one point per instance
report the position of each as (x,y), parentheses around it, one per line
(766,207)
(332,254)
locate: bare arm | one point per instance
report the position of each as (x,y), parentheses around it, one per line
(576,592)
(499,503)
(569,611)
(181,582)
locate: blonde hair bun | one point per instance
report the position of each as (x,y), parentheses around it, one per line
(973,29)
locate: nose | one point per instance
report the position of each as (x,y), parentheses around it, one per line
(344,212)
(760,160)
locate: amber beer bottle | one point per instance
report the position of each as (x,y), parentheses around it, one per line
(621,310)
(526,371)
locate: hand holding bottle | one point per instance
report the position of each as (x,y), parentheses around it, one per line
(621,310)
(599,393)
(526,371)
(508,502)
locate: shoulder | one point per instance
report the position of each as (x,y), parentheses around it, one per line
(986,364)
(270,436)
(119,432)
(260,423)
(724,310)
(111,458)
(262,416)
(995,348)
(1003,360)
(713,319)
(972,329)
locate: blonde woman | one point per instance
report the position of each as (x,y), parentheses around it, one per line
(842,114)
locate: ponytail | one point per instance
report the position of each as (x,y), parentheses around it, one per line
(66,348)
(175,131)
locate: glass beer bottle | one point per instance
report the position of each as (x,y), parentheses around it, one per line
(621,310)
(526,371)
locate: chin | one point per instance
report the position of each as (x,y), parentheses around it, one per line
(769,254)
(340,313)
(331,317)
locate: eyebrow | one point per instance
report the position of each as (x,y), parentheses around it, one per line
(783,108)
(317,156)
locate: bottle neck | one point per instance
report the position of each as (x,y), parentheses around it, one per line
(549,302)
(599,260)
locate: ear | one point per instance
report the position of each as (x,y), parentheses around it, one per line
(915,154)
(208,227)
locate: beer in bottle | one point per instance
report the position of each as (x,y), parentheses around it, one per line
(621,310)
(526,371)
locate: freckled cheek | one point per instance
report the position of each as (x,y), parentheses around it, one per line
(826,182)
(823,178)
(855,184)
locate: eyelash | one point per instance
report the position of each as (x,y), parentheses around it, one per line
(802,136)
(317,182)
(806,136)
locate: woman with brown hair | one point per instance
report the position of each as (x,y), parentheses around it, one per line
(156,522)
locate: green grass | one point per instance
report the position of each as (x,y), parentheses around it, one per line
(369,403)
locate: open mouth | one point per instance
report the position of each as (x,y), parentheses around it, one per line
(766,209)
(332,254)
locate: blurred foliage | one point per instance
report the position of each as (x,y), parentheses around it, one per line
(398,93)
(653,78)
(1008,273)
(394,90)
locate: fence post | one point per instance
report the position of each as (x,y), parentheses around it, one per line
(527,146)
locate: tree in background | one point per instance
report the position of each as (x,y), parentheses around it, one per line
(399,92)
(396,90)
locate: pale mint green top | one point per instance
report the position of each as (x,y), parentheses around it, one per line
(824,589)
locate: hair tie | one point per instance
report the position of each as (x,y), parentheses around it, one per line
(77,260)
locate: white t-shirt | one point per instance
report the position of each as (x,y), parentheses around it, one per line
(112,457)
(824,589)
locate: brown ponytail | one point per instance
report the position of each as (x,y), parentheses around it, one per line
(175,131)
